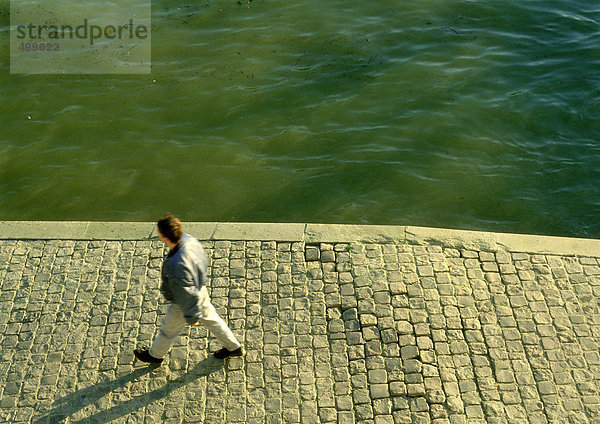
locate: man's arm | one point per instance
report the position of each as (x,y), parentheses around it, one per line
(185,292)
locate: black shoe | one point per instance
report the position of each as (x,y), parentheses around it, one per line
(144,356)
(226,353)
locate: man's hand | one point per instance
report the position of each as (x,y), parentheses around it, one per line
(196,323)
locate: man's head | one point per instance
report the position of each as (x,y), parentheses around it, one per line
(169,227)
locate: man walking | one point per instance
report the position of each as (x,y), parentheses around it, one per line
(183,284)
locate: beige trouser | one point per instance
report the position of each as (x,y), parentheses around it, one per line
(174,323)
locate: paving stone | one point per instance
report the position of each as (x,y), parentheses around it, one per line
(375,333)
(378,376)
(379,391)
(409,352)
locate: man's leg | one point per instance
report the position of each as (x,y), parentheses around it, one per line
(171,327)
(215,324)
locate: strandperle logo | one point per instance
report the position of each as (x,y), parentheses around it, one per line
(83,31)
(80,37)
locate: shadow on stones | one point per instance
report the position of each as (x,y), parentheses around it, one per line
(70,404)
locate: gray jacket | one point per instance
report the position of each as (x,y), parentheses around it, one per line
(183,275)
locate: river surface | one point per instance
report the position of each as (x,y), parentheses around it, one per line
(477,115)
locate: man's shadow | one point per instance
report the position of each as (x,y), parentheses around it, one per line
(70,404)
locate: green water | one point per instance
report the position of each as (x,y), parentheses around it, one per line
(476,115)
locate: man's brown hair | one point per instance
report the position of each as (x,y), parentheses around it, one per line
(170,227)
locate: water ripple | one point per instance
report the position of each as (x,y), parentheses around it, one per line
(469,115)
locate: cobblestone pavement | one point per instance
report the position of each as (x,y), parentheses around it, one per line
(365,333)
